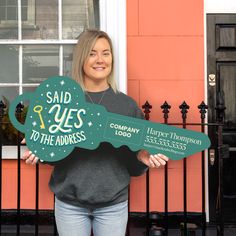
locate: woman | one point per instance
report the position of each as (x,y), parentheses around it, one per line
(91,186)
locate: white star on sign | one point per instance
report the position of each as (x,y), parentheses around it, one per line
(34,123)
(52,154)
(90,124)
(62,82)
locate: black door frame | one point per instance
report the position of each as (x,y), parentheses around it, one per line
(216,55)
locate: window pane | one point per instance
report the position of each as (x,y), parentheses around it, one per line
(29,89)
(11,2)
(67,59)
(7,94)
(2,2)
(42,20)
(24,13)
(2,13)
(11,13)
(9,66)
(8,20)
(24,2)
(40,62)
(77,16)
(8,33)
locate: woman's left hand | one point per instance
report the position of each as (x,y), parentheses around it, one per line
(152,161)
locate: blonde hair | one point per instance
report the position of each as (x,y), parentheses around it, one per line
(85,44)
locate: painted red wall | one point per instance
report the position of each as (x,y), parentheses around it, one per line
(166,62)
(9,186)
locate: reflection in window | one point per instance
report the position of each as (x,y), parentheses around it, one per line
(24,10)
(79,15)
(9,72)
(8,10)
(40,62)
(7,94)
(67,60)
(45,25)
(9,17)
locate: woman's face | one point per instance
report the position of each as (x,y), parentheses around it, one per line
(98,65)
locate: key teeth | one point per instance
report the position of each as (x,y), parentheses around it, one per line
(132,148)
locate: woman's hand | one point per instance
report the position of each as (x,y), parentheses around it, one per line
(28,156)
(152,161)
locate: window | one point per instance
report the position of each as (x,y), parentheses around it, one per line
(9,13)
(39,44)
(36,41)
(8,10)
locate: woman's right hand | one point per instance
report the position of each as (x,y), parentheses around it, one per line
(28,156)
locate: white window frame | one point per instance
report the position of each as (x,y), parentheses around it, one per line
(112,20)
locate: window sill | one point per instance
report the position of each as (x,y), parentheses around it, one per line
(14,26)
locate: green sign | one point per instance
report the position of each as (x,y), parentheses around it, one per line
(59,119)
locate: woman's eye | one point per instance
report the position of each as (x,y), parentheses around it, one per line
(92,54)
(106,54)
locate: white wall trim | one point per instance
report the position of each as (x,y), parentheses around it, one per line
(205,100)
(219,6)
(10,152)
(113,21)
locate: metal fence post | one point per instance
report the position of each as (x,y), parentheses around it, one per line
(203,109)
(147,110)
(19,110)
(165,109)
(184,110)
(220,113)
(2,108)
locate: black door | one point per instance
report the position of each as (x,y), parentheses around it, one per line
(221,69)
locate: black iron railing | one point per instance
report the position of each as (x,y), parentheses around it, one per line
(151,217)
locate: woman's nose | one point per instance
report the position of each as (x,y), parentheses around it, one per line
(99,59)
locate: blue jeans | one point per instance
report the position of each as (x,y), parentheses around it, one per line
(77,221)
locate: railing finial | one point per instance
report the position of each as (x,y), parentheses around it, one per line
(2,108)
(147,106)
(203,109)
(184,109)
(19,107)
(165,109)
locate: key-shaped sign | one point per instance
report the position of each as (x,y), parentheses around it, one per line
(59,119)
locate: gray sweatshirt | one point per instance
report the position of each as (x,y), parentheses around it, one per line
(100,177)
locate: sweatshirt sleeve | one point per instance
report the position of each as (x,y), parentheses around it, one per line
(133,165)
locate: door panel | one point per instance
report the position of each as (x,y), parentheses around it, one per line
(221,61)
(227,76)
